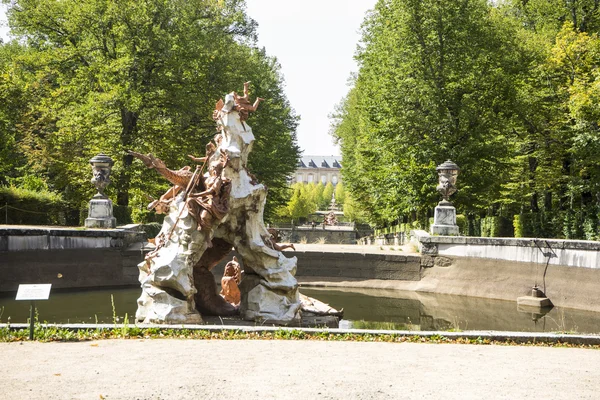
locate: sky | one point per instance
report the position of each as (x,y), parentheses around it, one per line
(314,41)
(3,26)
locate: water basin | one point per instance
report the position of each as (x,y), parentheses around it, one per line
(363,308)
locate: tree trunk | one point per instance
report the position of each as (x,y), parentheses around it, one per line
(533,203)
(548,201)
(563,193)
(129,122)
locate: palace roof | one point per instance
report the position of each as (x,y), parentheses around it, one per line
(320,162)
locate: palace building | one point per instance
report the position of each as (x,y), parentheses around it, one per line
(318,169)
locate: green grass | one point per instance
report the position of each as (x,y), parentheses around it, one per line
(53,333)
(44,333)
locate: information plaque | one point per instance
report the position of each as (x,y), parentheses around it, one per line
(34,292)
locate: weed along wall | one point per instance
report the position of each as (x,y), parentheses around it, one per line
(69,258)
(507,268)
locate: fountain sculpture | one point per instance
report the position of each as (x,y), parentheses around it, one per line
(207,214)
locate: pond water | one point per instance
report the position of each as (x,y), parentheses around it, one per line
(363,308)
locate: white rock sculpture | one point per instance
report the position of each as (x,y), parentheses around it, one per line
(176,278)
(272,294)
(166,276)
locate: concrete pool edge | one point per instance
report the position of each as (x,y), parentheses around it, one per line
(497,336)
(453,265)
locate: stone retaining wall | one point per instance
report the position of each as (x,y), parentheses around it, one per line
(318,234)
(357,265)
(507,268)
(569,253)
(494,268)
(388,239)
(69,258)
(332,264)
(40,238)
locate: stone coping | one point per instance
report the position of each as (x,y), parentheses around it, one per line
(353,249)
(519,242)
(320,227)
(23,230)
(518,337)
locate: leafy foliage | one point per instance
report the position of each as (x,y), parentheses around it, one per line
(507,90)
(301,204)
(430,104)
(308,198)
(30,206)
(340,194)
(108,76)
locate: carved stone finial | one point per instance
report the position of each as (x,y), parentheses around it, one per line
(447,173)
(101,168)
(100,214)
(444,219)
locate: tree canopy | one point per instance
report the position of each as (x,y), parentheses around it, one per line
(507,90)
(106,76)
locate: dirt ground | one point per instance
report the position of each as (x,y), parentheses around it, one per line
(240,369)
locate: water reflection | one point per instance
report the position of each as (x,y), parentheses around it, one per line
(363,308)
(392,309)
(75,307)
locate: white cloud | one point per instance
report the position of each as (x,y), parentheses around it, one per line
(3,23)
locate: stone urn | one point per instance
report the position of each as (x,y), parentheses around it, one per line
(100,211)
(444,220)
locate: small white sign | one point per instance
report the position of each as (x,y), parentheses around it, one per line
(34,292)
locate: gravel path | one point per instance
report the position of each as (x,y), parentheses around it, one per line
(240,369)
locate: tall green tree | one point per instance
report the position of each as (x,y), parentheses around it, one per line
(12,102)
(548,16)
(436,82)
(352,212)
(116,75)
(340,194)
(563,162)
(301,203)
(556,177)
(327,195)
(318,197)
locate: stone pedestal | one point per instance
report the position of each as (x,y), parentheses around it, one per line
(534,302)
(100,214)
(444,221)
(537,300)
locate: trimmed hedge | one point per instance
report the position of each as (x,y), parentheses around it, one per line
(567,224)
(496,227)
(144,216)
(151,230)
(462,223)
(29,207)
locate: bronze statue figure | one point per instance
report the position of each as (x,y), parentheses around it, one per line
(232,277)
